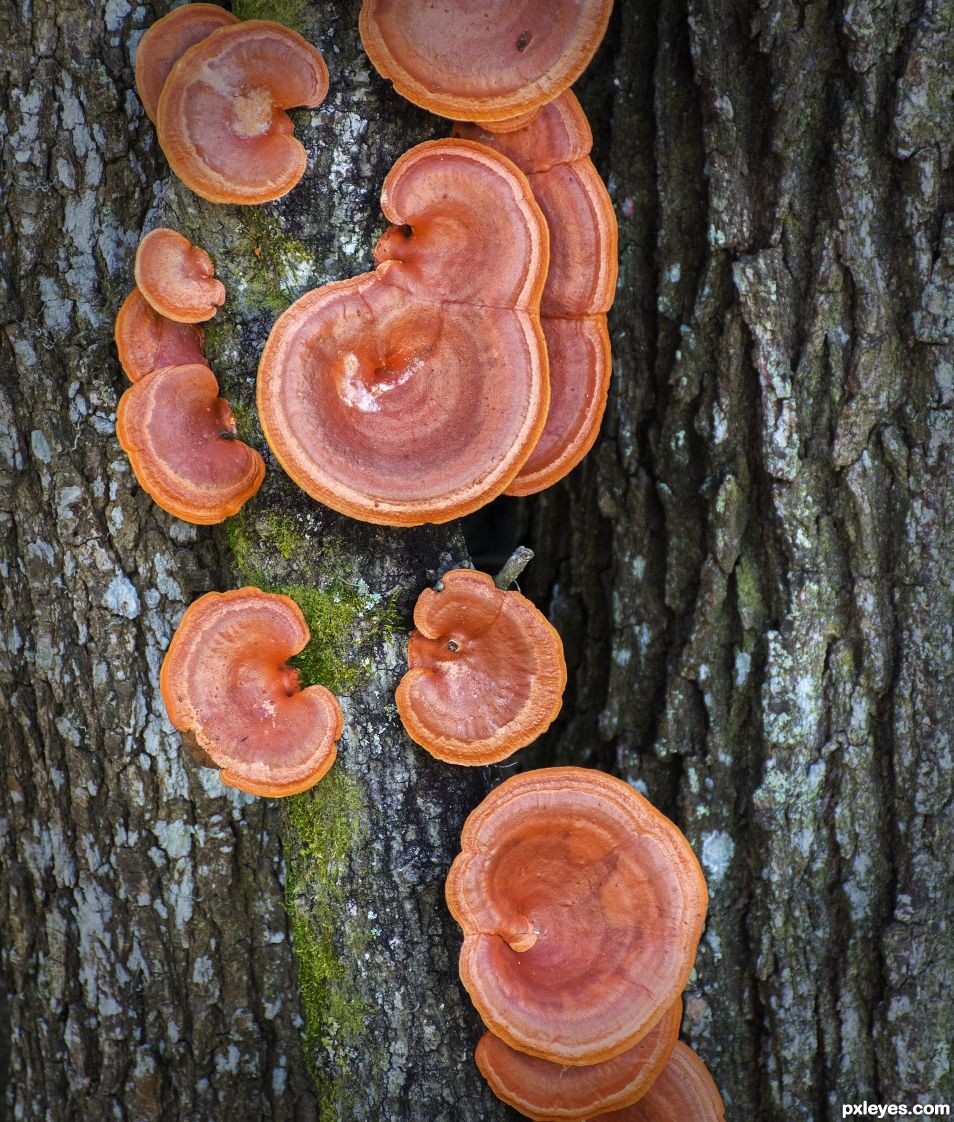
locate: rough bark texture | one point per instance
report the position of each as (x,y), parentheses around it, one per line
(751,574)
(757,583)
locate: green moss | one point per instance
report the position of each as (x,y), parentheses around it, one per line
(323,827)
(289,12)
(331,617)
(274,268)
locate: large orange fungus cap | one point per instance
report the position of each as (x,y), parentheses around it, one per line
(164,43)
(147,341)
(553,151)
(181,440)
(415,393)
(549,1092)
(221,118)
(684,1092)
(485,61)
(486,671)
(226,684)
(582,908)
(177,277)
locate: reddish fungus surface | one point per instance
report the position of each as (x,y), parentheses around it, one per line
(147,341)
(177,278)
(221,118)
(227,685)
(581,907)
(683,1092)
(167,40)
(549,1092)
(486,671)
(482,62)
(553,151)
(181,440)
(415,393)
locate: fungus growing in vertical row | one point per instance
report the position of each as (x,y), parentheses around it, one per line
(221,116)
(481,62)
(177,278)
(553,151)
(227,685)
(486,671)
(683,1092)
(164,43)
(582,908)
(549,1092)
(147,341)
(181,440)
(415,393)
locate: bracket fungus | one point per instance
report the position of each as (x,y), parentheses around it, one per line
(227,686)
(582,907)
(177,278)
(683,1092)
(221,117)
(482,62)
(553,151)
(182,444)
(549,1092)
(486,671)
(164,43)
(148,341)
(414,393)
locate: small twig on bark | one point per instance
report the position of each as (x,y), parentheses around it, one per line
(513,567)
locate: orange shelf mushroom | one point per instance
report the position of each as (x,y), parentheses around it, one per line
(221,116)
(415,393)
(164,43)
(227,685)
(553,151)
(548,1092)
(147,341)
(181,440)
(486,671)
(582,908)
(482,62)
(684,1092)
(177,278)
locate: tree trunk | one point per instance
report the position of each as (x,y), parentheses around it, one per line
(757,586)
(751,574)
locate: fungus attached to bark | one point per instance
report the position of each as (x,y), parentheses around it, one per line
(486,671)
(415,393)
(164,43)
(147,341)
(221,118)
(227,685)
(581,907)
(177,278)
(182,444)
(482,62)
(553,151)
(549,1092)
(683,1092)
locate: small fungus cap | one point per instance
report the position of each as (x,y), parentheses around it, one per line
(181,440)
(482,62)
(147,341)
(549,1092)
(683,1092)
(221,120)
(226,683)
(581,907)
(486,671)
(177,278)
(415,393)
(164,43)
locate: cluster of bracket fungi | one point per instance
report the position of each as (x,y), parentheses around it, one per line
(484,324)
